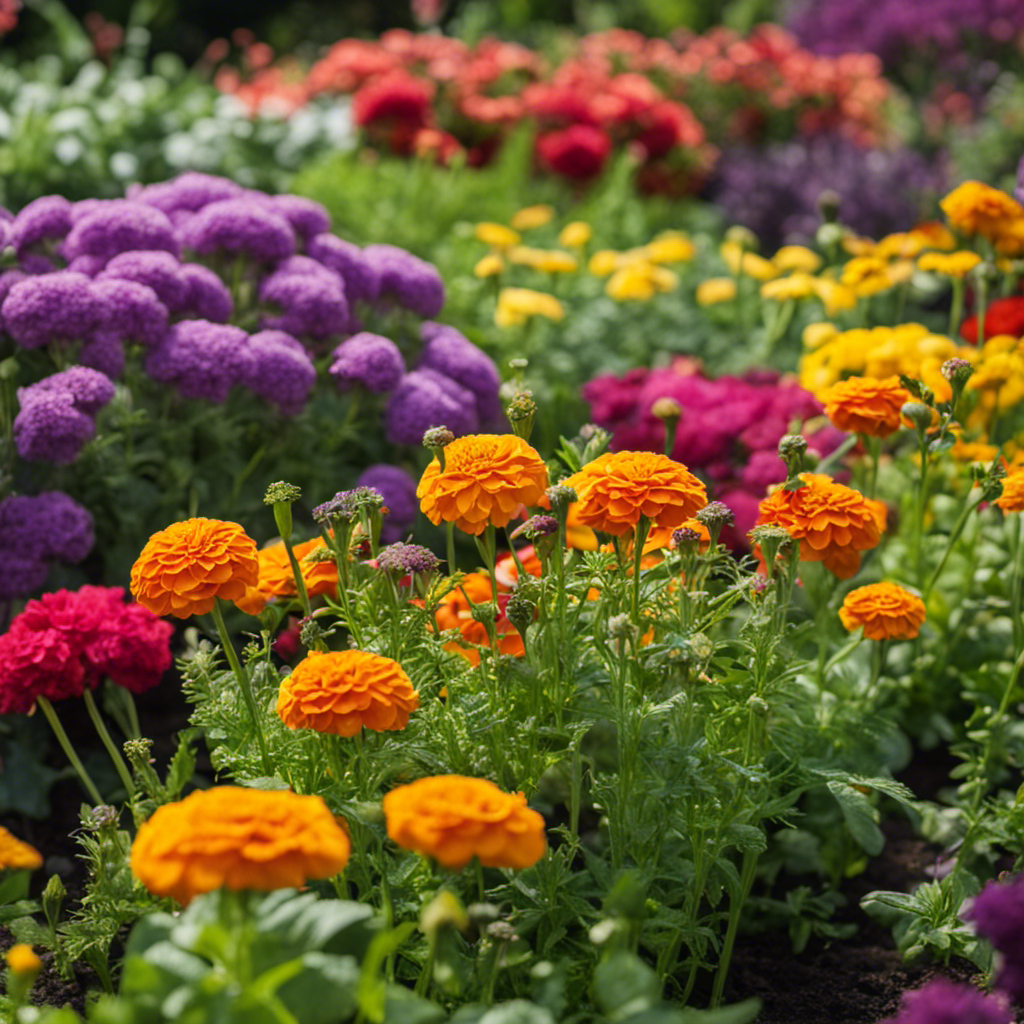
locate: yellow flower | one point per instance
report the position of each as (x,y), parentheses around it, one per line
(640,281)
(854,245)
(1010,240)
(973,451)
(999,376)
(975,208)
(533,217)
(796,257)
(741,262)
(715,290)
(21,959)
(489,266)
(551,261)
(670,247)
(603,262)
(952,264)
(935,235)
(835,297)
(815,335)
(866,275)
(517,305)
(575,235)
(901,245)
(797,286)
(497,236)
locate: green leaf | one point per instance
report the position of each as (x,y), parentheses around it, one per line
(14,887)
(20,908)
(403,1006)
(149,930)
(183,764)
(860,815)
(325,991)
(373,991)
(739,1013)
(518,1011)
(624,985)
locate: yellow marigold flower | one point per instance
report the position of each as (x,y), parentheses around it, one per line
(575,235)
(855,245)
(533,217)
(616,489)
(935,235)
(489,266)
(22,959)
(551,261)
(1012,498)
(517,305)
(670,247)
(866,275)
(182,570)
(797,257)
(715,290)
(835,297)
(975,208)
(486,478)
(237,838)
(900,245)
(784,289)
(952,264)
(862,405)
(739,261)
(886,611)
(603,262)
(453,819)
(900,271)
(640,281)
(999,376)
(341,692)
(815,335)
(16,854)
(1010,240)
(497,236)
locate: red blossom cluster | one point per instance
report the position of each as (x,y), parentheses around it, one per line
(67,641)
(669,102)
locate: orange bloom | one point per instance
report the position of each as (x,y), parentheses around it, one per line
(16,854)
(455,613)
(486,478)
(887,611)
(238,838)
(866,406)
(277,580)
(453,818)
(616,489)
(339,692)
(978,209)
(1012,498)
(834,523)
(182,570)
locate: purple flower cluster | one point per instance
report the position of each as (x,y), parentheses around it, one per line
(35,530)
(406,280)
(998,915)
(729,429)
(946,1002)
(369,361)
(399,490)
(309,297)
(57,414)
(774,191)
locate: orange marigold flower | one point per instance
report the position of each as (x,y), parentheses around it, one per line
(617,488)
(238,838)
(182,570)
(866,406)
(455,612)
(486,478)
(339,692)
(277,580)
(887,611)
(16,854)
(453,818)
(833,523)
(978,209)
(1012,498)
(22,959)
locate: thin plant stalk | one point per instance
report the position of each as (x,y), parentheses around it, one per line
(69,750)
(104,734)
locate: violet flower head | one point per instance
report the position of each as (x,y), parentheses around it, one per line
(49,428)
(311,305)
(282,371)
(350,263)
(206,295)
(88,265)
(448,351)
(157,270)
(120,226)
(51,307)
(203,359)
(425,399)
(105,353)
(942,1001)
(403,559)
(998,915)
(188,192)
(66,525)
(130,312)
(44,219)
(349,504)
(307,217)
(239,227)
(89,389)
(369,361)
(399,490)
(407,280)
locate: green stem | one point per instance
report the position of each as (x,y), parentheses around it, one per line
(300,583)
(450,540)
(954,536)
(956,309)
(642,529)
(69,750)
(243,682)
(104,734)
(735,909)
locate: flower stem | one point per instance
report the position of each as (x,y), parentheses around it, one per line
(69,750)
(115,754)
(642,529)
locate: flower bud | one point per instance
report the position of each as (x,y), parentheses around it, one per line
(620,627)
(957,371)
(743,236)
(829,235)
(828,205)
(445,910)
(438,437)
(715,515)
(792,445)
(521,411)
(686,539)
(520,611)
(667,409)
(536,527)
(281,495)
(919,414)
(560,496)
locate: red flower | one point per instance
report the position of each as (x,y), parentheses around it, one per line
(67,641)
(393,108)
(1003,316)
(578,152)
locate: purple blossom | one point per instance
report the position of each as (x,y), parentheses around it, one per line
(406,558)
(942,1001)
(350,263)
(36,263)
(119,226)
(188,192)
(158,270)
(239,227)
(763,469)
(88,265)
(369,361)
(407,280)
(283,372)
(449,352)
(425,399)
(46,218)
(104,353)
(307,217)
(89,389)
(399,490)
(998,915)
(130,312)
(203,359)
(51,307)
(49,428)
(312,305)
(206,295)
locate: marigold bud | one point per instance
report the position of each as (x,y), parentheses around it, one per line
(667,409)
(438,437)
(957,371)
(918,413)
